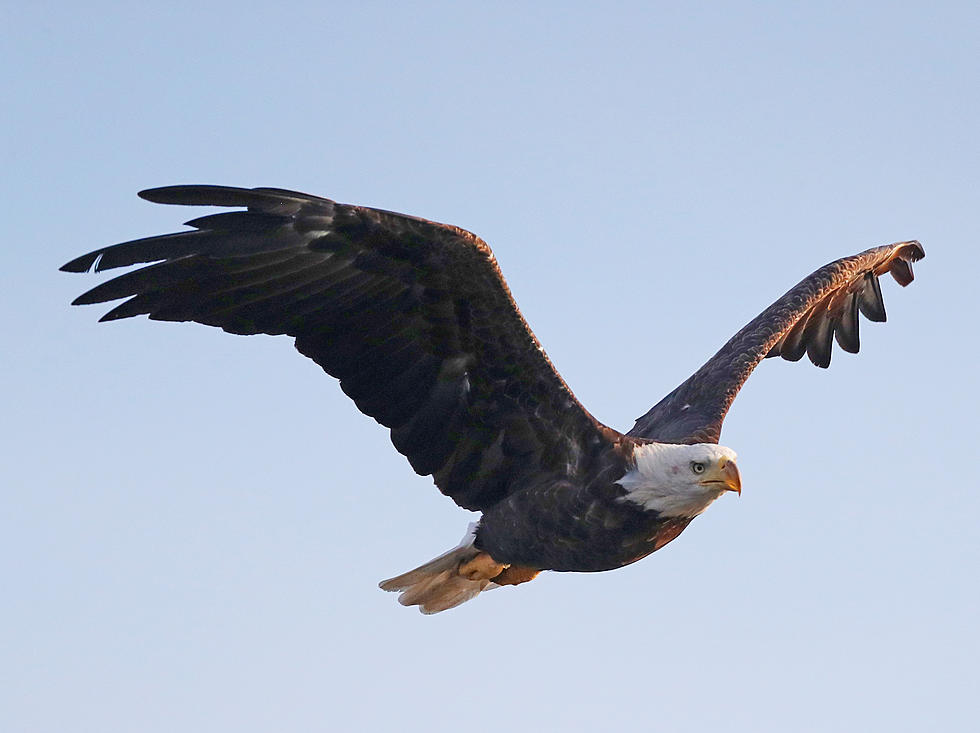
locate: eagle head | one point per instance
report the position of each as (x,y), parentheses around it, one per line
(680,480)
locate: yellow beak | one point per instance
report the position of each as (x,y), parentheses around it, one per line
(726,472)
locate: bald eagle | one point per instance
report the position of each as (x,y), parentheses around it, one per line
(415,320)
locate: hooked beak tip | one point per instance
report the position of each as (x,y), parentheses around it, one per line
(733,481)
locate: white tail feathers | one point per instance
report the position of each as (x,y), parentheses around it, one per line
(437,585)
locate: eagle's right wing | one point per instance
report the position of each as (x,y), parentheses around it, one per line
(413,317)
(806,320)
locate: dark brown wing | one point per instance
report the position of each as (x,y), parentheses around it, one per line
(413,317)
(822,307)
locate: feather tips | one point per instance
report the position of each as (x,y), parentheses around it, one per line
(851,290)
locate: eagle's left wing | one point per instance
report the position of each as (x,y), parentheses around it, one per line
(806,320)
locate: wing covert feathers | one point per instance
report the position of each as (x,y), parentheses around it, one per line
(822,308)
(413,317)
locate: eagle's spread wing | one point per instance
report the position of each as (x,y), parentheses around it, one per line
(413,317)
(822,307)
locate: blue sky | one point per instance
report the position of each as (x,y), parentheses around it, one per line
(194,524)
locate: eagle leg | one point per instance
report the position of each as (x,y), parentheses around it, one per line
(481,567)
(515,575)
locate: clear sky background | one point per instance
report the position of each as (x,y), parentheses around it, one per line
(193,524)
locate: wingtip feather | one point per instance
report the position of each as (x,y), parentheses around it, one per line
(81,264)
(197,194)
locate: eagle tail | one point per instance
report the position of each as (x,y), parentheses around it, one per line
(438,585)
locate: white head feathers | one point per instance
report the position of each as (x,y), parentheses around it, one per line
(668,478)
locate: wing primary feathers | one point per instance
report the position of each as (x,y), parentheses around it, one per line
(819,337)
(239,221)
(848,327)
(870,302)
(901,270)
(233,243)
(204,195)
(150,249)
(793,345)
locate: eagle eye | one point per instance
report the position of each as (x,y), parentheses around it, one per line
(697,466)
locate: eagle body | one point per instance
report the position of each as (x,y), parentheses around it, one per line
(416,322)
(600,532)
(620,513)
